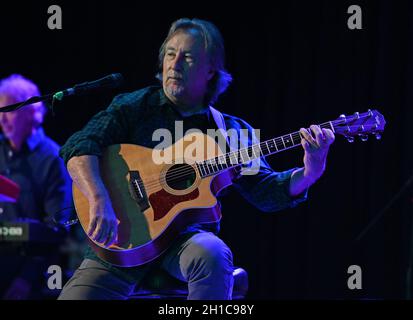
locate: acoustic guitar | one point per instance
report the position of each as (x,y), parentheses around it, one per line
(154,201)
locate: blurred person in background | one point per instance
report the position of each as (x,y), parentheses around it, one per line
(29,158)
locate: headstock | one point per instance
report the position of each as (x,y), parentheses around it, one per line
(360,124)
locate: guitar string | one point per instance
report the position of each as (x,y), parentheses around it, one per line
(228,155)
(189,170)
(295,135)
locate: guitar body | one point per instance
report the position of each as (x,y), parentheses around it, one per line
(157,193)
(155,200)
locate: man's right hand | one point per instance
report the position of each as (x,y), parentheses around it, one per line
(103,224)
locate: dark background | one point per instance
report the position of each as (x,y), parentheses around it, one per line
(294,63)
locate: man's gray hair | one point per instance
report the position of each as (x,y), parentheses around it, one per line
(214,46)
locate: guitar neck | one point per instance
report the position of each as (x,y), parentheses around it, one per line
(241,156)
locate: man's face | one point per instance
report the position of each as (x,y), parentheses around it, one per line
(186,69)
(17,124)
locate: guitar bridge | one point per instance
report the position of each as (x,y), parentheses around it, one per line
(137,190)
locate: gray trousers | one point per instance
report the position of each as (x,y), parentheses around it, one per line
(203,260)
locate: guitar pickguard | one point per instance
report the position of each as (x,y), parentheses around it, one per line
(162,201)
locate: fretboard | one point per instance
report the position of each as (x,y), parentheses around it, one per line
(245,155)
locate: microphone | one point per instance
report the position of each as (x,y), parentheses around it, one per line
(111,81)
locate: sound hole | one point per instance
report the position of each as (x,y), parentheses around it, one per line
(180,176)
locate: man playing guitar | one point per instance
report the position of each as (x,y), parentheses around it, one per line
(192,76)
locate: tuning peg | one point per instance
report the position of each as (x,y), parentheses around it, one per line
(370,112)
(363,137)
(350,139)
(378,135)
(356,115)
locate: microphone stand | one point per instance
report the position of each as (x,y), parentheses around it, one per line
(109,81)
(16,106)
(395,198)
(409,283)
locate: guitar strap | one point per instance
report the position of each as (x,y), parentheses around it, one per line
(244,169)
(219,120)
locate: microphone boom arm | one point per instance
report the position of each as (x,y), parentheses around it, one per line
(110,81)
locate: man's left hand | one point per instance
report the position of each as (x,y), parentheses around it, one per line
(316,143)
